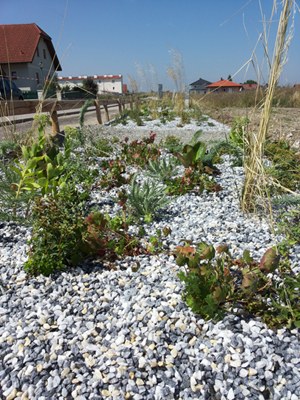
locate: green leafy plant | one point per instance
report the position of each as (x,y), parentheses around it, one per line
(216,283)
(57,236)
(113,174)
(139,152)
(146,199)
(238,129)
(42,166)
(192,181)
(107,237)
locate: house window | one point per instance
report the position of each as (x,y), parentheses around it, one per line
(37,77)
(113,88)
(44,53)
(37,51)
(113,81)
(14,75)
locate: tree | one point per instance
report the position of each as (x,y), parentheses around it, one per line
(90,86)
(250,82)
(229,78)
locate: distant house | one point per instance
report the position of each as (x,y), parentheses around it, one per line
(224,85)
(199,86)
(27,55)
(250,86)
(106,83)
(297,86)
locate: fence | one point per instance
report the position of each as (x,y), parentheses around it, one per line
(20,107)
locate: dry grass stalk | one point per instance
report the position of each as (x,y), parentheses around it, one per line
(255,185)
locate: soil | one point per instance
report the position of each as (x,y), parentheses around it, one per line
(284,122)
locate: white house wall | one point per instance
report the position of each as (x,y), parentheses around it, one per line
(105,84)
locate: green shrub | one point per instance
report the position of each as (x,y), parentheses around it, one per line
(58,228)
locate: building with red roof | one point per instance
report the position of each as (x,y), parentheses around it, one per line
(224,85)
(27,55)
(105,83)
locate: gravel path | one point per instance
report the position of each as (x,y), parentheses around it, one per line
(95,334)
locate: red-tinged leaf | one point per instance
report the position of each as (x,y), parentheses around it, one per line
(270,260)
(185,250)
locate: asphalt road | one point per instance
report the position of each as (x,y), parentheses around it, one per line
(14,126)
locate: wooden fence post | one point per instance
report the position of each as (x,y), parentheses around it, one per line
(98,112)
(54,120)
(106,111)
(120,106)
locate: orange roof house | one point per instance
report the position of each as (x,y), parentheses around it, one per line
(224,85)
(27,55)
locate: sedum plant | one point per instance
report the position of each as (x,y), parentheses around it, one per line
(146,199)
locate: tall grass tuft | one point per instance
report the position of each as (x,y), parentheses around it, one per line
(255,184)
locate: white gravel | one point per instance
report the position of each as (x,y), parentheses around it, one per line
(95,334)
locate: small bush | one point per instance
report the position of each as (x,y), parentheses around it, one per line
(57,237)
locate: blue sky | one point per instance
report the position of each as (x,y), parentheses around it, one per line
(136,38)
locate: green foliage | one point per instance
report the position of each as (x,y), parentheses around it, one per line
(289,225)
(146,199)
(108,237)
(162,169)
(172,143)
(57,237)
(215,283)
(192,180)
(83,111)
(166,114)
(285,163)
(9,149)
(238,130)
(113,174)
(42,169)
(100,147)
(195,155)
(139,152)
(89,86)
(135,115)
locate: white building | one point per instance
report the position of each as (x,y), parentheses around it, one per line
(106,83)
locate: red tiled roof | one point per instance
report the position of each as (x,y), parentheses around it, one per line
(223,83)
(18,43)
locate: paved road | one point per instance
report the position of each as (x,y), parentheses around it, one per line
(14,124)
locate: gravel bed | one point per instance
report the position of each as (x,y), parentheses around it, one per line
(90,333)
(213,131)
